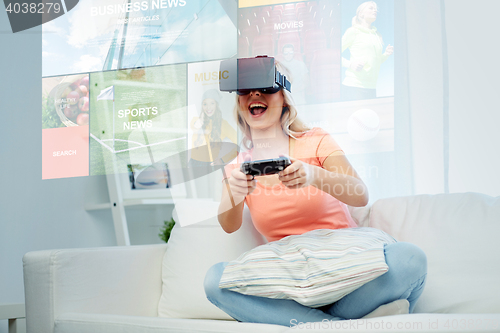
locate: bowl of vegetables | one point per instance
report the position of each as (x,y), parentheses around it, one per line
(71,100)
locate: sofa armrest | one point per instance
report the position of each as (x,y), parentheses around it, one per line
(114,280)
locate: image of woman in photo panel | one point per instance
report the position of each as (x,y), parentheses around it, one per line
(210,132)
(367,54)
(301,198)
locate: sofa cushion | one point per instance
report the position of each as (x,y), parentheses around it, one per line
(191,251)
(99,323)
(459,234)
(422,322)
(314,269)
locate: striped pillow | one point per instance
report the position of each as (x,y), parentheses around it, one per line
(314,269)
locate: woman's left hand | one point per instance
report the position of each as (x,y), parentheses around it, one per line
(298,174)
(389,50)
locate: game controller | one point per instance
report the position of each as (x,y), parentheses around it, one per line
(265,167)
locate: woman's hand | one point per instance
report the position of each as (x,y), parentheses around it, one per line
(337,178)
(356,65)
(389,50)
(298,174)
(238,186)
(241,185)
(199,122)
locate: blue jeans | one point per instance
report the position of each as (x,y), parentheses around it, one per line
(404,280)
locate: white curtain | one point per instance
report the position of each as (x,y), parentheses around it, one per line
(474,74)
(453,95)
(425,84)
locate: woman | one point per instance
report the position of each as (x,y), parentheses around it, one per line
(210,130)
(312,193)
(365,45)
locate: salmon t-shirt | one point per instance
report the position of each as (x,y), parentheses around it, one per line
(278,211)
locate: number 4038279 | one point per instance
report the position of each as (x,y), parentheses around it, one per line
(472,323)
(33,8)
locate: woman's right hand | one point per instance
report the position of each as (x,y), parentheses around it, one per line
(389,50)
(356,65)
(241,185)
(199,122)
(238,186)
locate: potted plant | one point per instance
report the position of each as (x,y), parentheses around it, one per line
(166,229)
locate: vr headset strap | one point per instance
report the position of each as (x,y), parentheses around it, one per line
(282,81)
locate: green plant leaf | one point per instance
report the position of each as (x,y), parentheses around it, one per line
(166,229)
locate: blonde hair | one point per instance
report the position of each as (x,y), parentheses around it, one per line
(357,20)
(290,123)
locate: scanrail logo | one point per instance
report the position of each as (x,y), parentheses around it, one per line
(25,14)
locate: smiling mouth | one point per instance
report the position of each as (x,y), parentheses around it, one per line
(257,108)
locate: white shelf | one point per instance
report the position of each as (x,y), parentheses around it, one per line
(106,205)
(12,311)
(129,203)
(16,315)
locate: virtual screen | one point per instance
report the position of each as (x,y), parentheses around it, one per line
(65,126)
(125,86)
(304,37)
(103,35)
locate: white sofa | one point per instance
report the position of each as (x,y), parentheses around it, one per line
(159,288)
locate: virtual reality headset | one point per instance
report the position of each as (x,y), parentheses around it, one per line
(247,74)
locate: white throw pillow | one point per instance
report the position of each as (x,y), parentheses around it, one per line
(459,234)
(191,251)
(314,269)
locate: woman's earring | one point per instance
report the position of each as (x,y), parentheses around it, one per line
(285,109)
